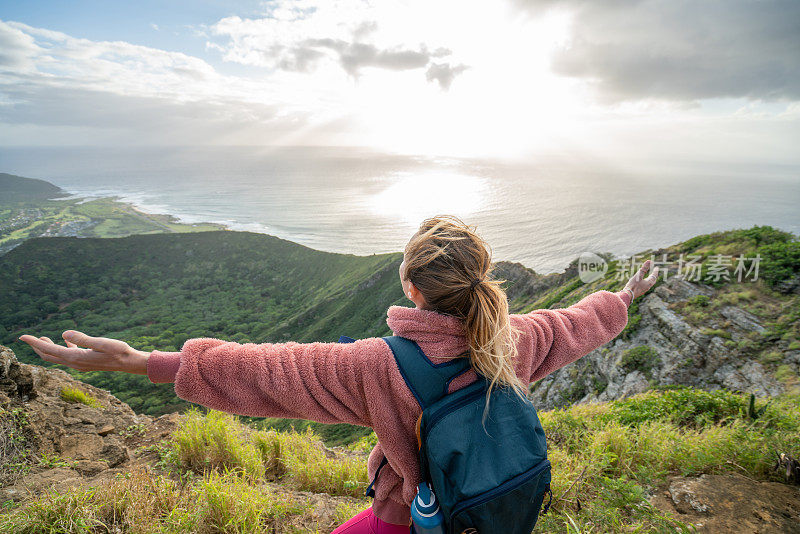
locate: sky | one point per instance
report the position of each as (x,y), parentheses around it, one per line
(639,80)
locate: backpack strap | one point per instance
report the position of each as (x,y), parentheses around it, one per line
(428,381)
(370,491)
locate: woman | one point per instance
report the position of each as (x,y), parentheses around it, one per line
(445,273)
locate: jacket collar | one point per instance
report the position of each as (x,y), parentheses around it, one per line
(437,334)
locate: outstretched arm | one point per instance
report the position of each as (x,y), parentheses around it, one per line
(101,354)
(555,338)
(325,382)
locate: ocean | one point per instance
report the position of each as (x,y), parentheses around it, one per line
(543,212)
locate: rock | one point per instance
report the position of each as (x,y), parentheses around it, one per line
(16,379)
(749,378)
(687,355)
(634,383)
(84,413)
(522,282)
(731,503)
(81,446)
(114,452)
(57,478)
(682,493)
(61,429)
(760,383)
(741,318)
(89,468)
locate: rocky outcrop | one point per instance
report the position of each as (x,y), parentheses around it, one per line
(731,503)
(523,284)
(669,350)
(52,442)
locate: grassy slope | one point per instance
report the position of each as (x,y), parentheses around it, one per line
(216,475)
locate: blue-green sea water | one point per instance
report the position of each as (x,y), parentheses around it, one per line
(543,212)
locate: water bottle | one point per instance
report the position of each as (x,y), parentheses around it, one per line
(425,512)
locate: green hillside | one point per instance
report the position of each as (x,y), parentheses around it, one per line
(16,188)
(157,291)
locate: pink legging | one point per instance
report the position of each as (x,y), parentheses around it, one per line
(366,523)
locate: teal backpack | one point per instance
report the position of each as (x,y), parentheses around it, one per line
(489,475)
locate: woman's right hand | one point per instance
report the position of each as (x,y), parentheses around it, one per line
(638,283)
(101,354)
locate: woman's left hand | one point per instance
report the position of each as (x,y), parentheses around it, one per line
(100,354)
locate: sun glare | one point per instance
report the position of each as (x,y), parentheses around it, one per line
(412,197)
(506,102)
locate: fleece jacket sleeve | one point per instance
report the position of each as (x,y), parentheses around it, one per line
(555,338)
(324,382)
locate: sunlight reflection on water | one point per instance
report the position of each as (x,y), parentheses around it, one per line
(540,214)
(414,196)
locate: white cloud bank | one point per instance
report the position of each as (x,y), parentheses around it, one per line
(628,78)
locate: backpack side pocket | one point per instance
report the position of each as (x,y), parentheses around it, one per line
(511,508)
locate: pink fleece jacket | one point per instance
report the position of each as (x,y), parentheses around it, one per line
(359,383)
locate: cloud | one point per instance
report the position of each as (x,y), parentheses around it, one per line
(16,48)
(55,115)
(355,56)
(364,28)
(302,38)
(53,58)
(53,85)
(444,73)
(680,50)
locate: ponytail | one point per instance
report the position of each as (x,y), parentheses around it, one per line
(491,337)
(451,265)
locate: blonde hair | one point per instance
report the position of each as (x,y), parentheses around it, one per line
(451,265)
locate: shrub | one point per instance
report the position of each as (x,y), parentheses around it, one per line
(746,344)
(685,406)
(227,503)
(699,300)
(697,317)
(599,384)
(76,395)
(269,446)
(310,469)
(634,318)
(365,444)
(141,503)
(785,373)
(736,296)
(214,441)
(15,447)
(641,358)
(716,332)
(217,441)
(779,261)
(772,356)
